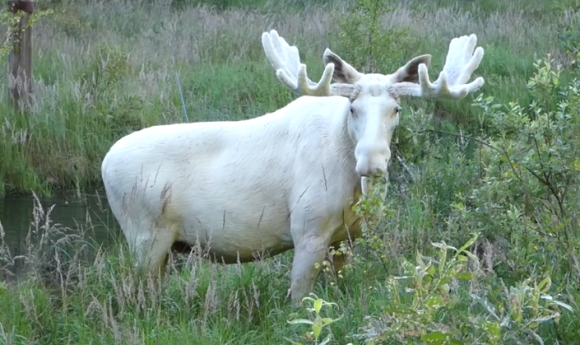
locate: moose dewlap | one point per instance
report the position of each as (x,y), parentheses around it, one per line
(242,190)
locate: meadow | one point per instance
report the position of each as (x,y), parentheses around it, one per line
(479,242)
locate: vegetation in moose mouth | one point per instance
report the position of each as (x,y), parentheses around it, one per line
(494,175)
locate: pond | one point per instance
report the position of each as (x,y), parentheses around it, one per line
(87,211)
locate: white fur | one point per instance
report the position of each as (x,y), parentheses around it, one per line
(266,184)
(254,188)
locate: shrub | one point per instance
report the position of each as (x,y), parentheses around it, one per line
(427,305)
(107,67)
(503,285)
(366,44)
(530,174)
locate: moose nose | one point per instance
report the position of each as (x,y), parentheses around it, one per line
(363,167)
(367,166)
(371,161)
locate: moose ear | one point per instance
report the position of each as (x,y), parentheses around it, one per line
(410,72)
(343,72)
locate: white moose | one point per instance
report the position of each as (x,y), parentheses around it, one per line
(287,179)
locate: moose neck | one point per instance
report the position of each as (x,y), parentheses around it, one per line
(345,145)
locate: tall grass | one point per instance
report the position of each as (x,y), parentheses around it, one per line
(104,69)
(70,289)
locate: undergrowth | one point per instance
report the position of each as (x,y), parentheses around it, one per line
(489,259)
(477,242)
(103,69)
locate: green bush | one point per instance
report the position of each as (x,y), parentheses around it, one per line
(522,197)
(529,181)
(365,44)
(107,67)
(429,304)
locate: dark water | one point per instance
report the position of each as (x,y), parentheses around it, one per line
(87,211)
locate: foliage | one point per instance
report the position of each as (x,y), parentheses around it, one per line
(74,291)
(522,198)
(72,23)
(10,23)
(505,169)
(569,37)
(530,170)
(424,304)
(366,44)
(105,68)
(319,323)
(432,308)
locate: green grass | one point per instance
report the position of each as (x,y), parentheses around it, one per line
(104,69)
(99,77)
(78,291)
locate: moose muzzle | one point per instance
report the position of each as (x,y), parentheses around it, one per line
(372,159)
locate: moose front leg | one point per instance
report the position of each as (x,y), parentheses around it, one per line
(309,253)
(311,236)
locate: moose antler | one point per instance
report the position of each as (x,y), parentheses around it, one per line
(460,63)
(286,62)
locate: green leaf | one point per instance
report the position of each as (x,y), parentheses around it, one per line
(468,243)
(464,275)
(442,245)
(436,338)
(317,305)
(547,282)
(456,342)
(442,260)
(561,304)
(316,328)
(419,260)
(434,301)
(327,321)
(431,271)
(493,328)
(445,280)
